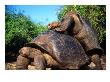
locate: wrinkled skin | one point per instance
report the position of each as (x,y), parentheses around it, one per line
(76,26)
(34,56)
(54,25)
(53,50)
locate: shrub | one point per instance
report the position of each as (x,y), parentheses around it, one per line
(19,29)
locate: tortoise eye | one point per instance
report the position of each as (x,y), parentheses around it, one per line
(48,25)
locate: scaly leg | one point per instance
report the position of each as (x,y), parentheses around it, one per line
(39,62)
(96,60)
(22,62)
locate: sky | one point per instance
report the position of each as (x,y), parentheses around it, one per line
(43,14)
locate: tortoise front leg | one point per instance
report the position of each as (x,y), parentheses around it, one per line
(96,60)
(54,25)
(22,62)
(39,62)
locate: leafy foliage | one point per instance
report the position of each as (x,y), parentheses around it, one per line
(19,30)
(95,13)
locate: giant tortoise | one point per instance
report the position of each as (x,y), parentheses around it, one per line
(52,50)
(81,29)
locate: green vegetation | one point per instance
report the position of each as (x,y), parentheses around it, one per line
(96,14)
(19,30)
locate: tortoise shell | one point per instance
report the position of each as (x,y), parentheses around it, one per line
(65,49)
